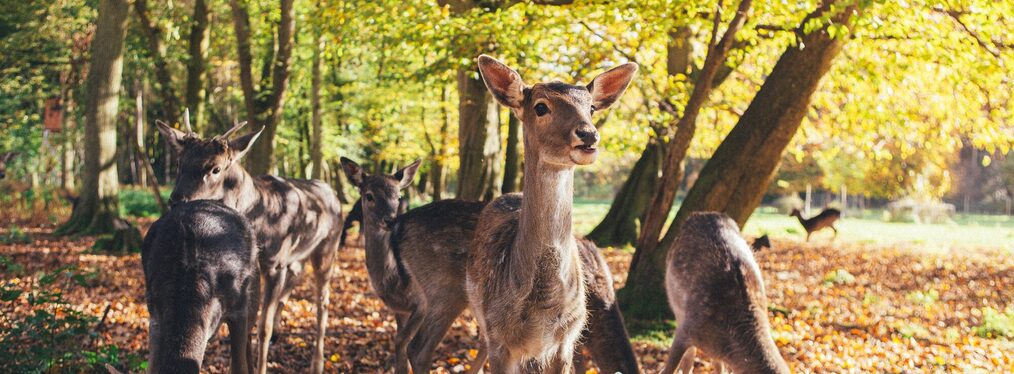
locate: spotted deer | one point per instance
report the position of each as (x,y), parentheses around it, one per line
(200,266)
(4,159)
(716,292)
(524,275)
(416,263)
(296,222)
(825,219)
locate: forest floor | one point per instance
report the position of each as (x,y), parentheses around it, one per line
(835,307)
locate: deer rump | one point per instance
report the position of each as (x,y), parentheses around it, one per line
(200,266)
(432,234)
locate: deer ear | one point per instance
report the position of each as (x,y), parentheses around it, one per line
(406,174)
(503,82)
(173,136)
(352,171)
(609,86)
(242,145)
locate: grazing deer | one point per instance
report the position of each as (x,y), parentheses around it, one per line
(295,220)
(524,275)
(416,263)
(200,265)
(761,243)
(716,292)
(825,219)
(4,159)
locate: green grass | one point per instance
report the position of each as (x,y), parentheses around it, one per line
(139,202)
(966,231)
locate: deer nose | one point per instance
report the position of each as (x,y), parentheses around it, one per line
(587,136)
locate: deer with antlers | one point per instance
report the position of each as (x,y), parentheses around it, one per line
(524,276)
(295,220)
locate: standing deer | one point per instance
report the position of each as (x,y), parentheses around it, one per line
(200,265)
(716,292)
(295,220)
(524,275)
(825,219)
(416,263)
(4,159)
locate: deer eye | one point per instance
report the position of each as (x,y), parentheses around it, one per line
(592,109)
(216,170)
(541,109)
(369,197)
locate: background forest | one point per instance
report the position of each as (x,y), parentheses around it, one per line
(899,113)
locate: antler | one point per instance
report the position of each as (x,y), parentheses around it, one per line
(186,119)
(232,130)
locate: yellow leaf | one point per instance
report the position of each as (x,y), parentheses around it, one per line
(473,353)
(334,357)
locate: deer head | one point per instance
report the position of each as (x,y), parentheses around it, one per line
(381,194)
(208,168)
(557,116)
(4,159)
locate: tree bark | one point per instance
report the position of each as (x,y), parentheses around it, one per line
(440,159)
(735,178)
(198,51)
(512,163)
(153,37)
(316,154)
(619,226)
(97,210)
(478,138)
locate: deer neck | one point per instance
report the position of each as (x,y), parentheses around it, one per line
(240,191)
(379,258)
(545,216)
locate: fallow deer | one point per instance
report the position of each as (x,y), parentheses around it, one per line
(825,219)
(200,265)
(716,292)
(524,275)
(296,221)
(416,262)
(4,159)
(761,243)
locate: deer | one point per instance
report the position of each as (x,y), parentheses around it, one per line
(524,276)
(416,262)
(4,159)
(825,219)
(200,267)
(760,243)
(716,292)
(295,221)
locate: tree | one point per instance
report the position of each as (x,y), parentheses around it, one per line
(735,178)
(157,49)
(97,210)
(197,49)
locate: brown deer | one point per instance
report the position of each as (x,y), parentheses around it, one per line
(761,243)
(296,221)
(524,275)
(4,159)
(825,219)
(200,266)
(416,263)
(716,292)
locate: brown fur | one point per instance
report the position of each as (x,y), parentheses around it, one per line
(524,274)
(825,219)
(297,221)
(716,292)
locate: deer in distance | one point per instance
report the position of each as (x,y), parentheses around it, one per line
(296,221)
(416,263)
(716,292)
(200,266)
(825,219)
(524,274)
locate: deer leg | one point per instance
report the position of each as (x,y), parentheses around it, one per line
(402,339)
(273,293)
(680,347)
(429,336)
(239,342)
(480,359)
(719,366)
(500,361)
(835,231)
(322,275)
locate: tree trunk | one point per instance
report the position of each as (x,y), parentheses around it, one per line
(619,226)
(735,178)
(68,146)
(512,163)
(440,159)
(153,36)
(198,51)
(478,137)
(97,210)
(316,154)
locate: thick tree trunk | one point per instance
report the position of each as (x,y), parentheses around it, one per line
(735,178)
(153,36)
(478,138)
(316,154)
(619,226)
(198,51)
(440,159)
(97,210)
(241,28)
(512,163)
